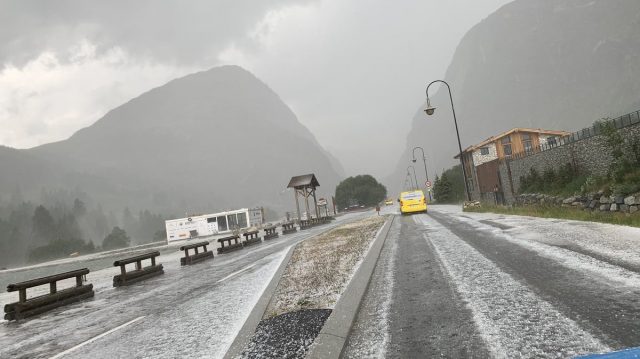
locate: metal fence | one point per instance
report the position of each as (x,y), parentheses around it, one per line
(595,130)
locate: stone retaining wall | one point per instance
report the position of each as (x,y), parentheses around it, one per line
(590,156)
(591,202)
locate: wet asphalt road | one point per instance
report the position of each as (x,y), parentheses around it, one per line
(193,311)
(455,285)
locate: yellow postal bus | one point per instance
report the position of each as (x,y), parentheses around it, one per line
(412,201)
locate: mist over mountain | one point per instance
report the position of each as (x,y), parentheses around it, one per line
(556,64)
(212,140)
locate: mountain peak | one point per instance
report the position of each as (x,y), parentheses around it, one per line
(219,135)
(542,64)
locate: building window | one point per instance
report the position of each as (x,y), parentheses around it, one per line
(526,142)
(242,220)
(506,145)
(484,151)
(232,220)
(551,141)
(222,223)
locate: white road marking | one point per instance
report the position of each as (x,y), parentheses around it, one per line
(60,355)
(237,272)
(511,318)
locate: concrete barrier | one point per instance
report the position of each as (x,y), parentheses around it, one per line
(251,238)
(270,232)
(289,227)
(197,256)
(138,274)
(56,298)
(230,246)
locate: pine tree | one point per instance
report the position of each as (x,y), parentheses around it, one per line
(79,208)
(118,238)
(43,223)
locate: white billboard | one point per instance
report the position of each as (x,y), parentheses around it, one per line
(206,225)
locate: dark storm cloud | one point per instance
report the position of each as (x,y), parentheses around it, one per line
(353,71)
(186,32)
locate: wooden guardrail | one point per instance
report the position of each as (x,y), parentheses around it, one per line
(28,307)
(270,232)
(251,238)
(197,256)
(229,247)
(305,224)
(138,274)
(289,227)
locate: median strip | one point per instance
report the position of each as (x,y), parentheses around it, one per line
(312,283)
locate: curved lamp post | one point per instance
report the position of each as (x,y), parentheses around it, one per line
(430,111)
(415,180)
(424,161)
(411,185)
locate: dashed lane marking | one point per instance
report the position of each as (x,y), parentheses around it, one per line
(237,272)
(60,355)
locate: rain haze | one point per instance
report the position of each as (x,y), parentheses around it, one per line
(244,179)
(348,69)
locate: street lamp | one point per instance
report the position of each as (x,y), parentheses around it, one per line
(414,176)
(411,183)
(424,161)
(430,110)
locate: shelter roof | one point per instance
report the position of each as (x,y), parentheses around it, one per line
(309,180)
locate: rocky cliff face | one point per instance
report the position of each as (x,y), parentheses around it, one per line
(556,64)
(211,140)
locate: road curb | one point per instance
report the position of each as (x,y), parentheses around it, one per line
(334,334)
(249,327)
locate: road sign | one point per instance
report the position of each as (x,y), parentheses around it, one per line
(428,184)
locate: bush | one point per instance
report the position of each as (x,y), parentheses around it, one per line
(360,190)
(566,180)
(449,187)
(118,238)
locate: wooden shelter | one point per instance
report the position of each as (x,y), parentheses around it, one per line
(305,185)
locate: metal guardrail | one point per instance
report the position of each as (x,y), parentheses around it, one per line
(595,130)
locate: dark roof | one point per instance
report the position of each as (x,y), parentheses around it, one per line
(304,180)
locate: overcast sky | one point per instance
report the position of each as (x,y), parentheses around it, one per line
(354,71)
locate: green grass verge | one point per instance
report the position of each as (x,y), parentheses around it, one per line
(626,219)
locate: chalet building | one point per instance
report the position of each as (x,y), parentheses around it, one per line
(481,160)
